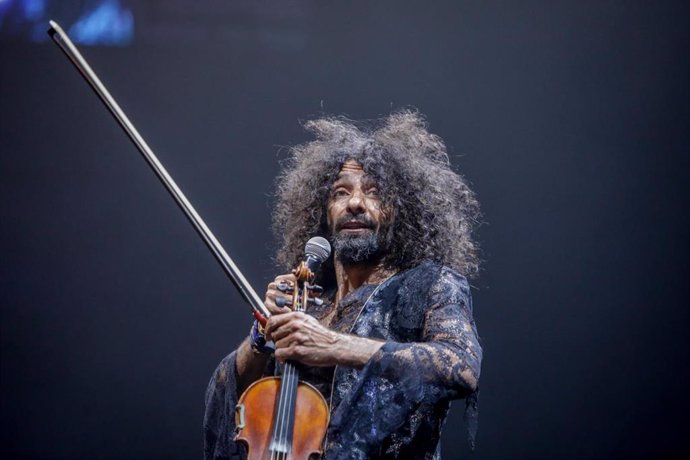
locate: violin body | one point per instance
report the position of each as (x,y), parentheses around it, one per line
(255,414)
(282,418)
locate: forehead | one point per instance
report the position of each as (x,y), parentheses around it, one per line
(352,170)
(351,166)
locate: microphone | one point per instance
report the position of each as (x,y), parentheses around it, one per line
(316,251)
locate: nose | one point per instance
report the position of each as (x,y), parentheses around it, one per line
(355,204)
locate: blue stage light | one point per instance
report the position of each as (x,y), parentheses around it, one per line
(99,22)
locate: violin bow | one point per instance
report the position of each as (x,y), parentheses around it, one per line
(65,44)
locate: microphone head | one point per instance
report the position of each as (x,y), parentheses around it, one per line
(318,248)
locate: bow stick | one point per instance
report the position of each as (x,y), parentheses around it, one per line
(63,41)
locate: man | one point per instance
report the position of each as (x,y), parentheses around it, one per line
(394,340)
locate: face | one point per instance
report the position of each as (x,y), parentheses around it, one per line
(356,216)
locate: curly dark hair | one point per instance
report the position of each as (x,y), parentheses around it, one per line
(435,210)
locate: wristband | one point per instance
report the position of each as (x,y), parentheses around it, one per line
(257,340)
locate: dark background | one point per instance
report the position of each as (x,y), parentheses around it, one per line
(570,119)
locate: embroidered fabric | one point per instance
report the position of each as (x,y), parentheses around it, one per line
(395,406)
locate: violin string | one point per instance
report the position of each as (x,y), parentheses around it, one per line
(287,391)
(284,408)
(278,428)
(288,406)
(280,416)
(284,403)
(290,381)
(293,383)
(280,422)
(290,415)
(284,391)
(281,406)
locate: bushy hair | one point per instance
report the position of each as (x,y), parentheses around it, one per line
(434,210)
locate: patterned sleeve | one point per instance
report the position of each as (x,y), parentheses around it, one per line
(403,379)
(219,417)
(450,356)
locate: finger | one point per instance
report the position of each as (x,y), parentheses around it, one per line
(282,286)
(275,309)
(275,322)
(288,340)
(274,305)
(293,352)
(278,297)
(290,328)
(288,279)
(283,354)
(285,287)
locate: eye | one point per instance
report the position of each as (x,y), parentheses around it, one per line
(373,191)
(339,192)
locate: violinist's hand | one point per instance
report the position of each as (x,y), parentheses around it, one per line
(300,337)
(278,298)
(250,364)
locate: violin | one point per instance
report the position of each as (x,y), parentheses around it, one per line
(277,418)
(281,417)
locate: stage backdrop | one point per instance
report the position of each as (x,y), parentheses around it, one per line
(570,119)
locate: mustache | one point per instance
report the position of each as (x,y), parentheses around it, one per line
(349,219)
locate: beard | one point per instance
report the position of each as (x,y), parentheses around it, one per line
(359,248)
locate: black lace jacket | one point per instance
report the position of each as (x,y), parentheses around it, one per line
(395,406)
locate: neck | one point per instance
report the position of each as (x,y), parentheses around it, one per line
(351,277)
